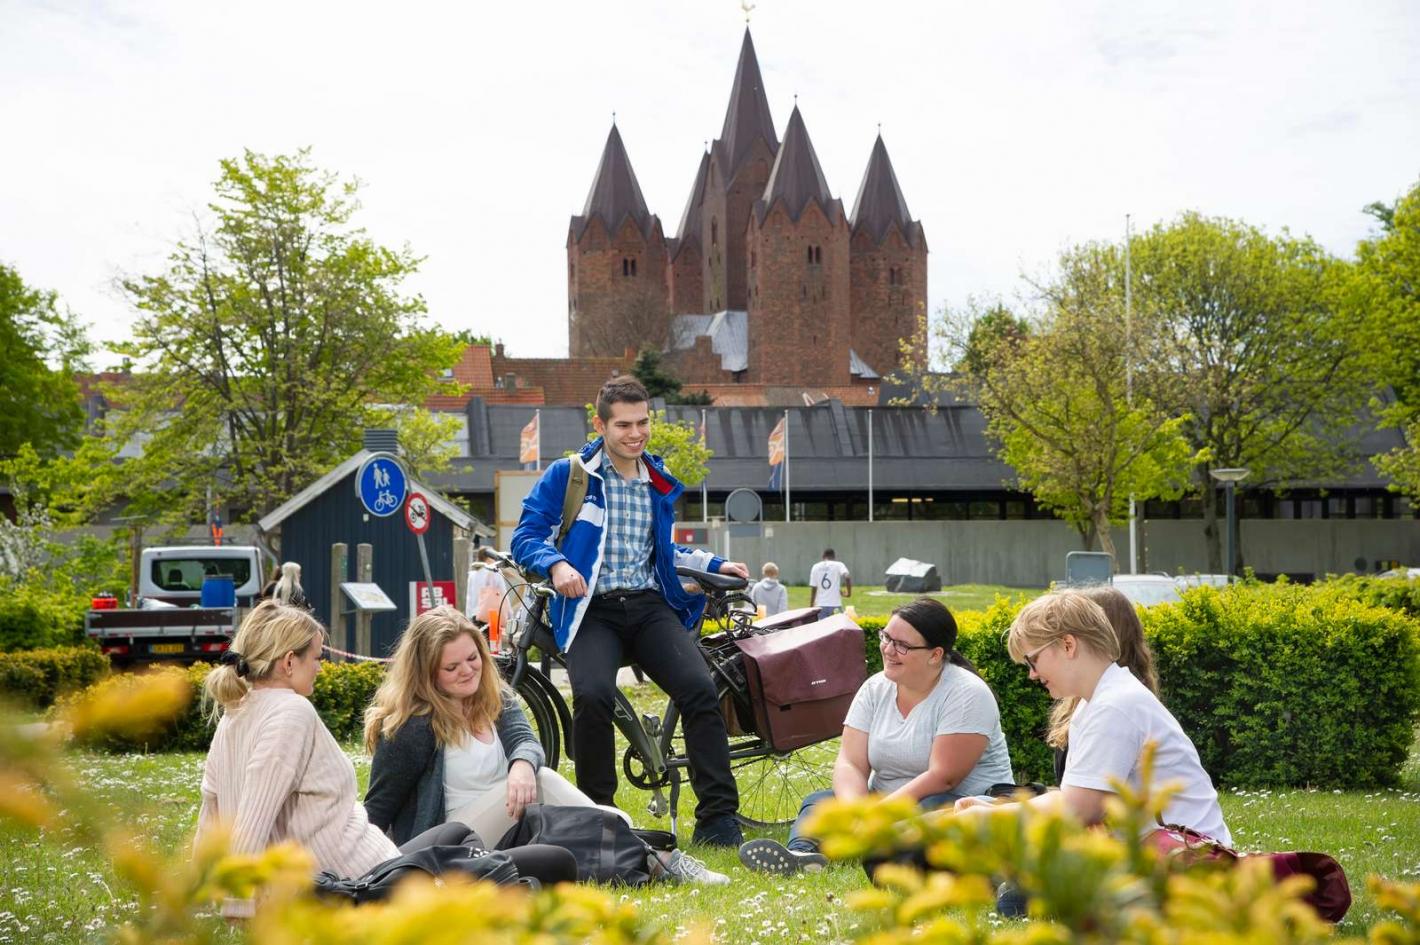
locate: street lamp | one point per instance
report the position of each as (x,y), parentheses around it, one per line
(1230,478)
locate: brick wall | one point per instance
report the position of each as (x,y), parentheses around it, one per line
(688,279)
(889,292)
(725,219)
(601,290)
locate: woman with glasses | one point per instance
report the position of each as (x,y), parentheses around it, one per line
(1070,647)
(926,727)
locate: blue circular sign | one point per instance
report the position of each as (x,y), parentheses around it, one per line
(381,485)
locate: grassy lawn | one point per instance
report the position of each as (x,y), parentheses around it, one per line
(58,890)
(873,600)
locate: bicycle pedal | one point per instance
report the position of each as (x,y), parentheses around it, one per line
(652,724)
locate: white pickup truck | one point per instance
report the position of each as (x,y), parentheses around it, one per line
(169,622)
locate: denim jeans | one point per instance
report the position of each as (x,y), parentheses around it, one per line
(797,841)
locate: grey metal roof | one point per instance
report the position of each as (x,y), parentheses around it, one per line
(728,332)
(615,193)
(859,368)
(880,203)
(797,178)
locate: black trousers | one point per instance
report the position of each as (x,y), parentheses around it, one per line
(640,626)
(545,863)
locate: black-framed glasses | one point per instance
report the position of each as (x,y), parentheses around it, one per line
(1030,658)
(897,646)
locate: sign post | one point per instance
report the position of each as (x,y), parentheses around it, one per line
(417,517)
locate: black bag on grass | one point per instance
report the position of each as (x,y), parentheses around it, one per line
(605,847)
(376,885)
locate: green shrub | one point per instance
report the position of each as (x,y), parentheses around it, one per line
(1394,593)
(342,692)
(33,616)
(1283,685)
(35,678)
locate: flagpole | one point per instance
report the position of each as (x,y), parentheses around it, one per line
(537,418)
(704,483)
(786,465)
(870,464)
(1129,388)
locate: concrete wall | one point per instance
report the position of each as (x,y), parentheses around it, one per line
(1032,553)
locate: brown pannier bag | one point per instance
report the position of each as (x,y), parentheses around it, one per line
(802,680)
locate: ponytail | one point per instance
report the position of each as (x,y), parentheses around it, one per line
(267,634)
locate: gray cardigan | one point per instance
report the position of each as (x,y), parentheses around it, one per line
(406,794)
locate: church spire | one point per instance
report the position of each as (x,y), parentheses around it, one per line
(747,117)
(615,194)
(880,203)
(690,220)
(797,177)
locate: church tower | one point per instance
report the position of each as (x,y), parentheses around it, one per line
(616,264)
(687,252)
(798,286)
(736,175)
(888,262)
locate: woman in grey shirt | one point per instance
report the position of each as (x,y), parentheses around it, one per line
(926,727)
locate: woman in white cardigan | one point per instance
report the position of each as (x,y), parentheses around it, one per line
(275,773)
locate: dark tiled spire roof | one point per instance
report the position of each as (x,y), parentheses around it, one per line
(797,177)
(690,219)
(615,194)
(880,203)
(748,116)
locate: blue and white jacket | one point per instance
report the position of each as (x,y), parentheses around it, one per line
(534,539)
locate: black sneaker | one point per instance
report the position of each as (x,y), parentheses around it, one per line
(722,831)
(770,856)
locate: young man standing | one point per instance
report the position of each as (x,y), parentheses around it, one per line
(829,583)
(618,597)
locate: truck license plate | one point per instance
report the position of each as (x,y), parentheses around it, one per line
(165,648)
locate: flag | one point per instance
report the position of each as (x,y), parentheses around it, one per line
(776,454)
(530,442)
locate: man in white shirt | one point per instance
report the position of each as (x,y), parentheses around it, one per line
(829,583)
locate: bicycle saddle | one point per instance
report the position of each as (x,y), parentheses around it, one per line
(718,582)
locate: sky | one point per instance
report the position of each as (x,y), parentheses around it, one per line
(1016,129)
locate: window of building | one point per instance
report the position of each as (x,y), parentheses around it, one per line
(625,266)
(753,258)
(633,267)
(818,255)
(714,232)
(811,254)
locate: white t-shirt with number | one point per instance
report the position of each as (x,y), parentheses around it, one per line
(826,578)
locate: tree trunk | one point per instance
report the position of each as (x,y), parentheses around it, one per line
(1212,534)
(1100,525)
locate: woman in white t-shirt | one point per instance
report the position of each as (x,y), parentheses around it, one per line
(926,727)
(1070,647)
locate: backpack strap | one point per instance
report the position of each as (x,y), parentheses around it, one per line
(573,497)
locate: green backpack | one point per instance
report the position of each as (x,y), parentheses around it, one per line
(572,499)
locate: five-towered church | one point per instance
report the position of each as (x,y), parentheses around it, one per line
(767,281)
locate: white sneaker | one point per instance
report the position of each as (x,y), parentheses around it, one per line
(684,868)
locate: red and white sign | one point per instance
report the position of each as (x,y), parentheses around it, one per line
(416,513)
(420,599)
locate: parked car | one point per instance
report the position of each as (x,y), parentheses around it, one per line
(1146,590)
(1403,574)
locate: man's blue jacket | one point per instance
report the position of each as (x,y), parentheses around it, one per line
(583,548)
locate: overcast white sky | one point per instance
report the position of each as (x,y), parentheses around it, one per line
(1016,128)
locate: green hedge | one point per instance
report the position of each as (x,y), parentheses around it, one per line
(35,678)
(1394,593)
(1278,685)
(342,692)
(1283,685)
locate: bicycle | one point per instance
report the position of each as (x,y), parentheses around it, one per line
(772,784)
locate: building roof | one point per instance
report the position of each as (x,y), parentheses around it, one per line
(797,179)
(747,116)
(728,332)
(318,488)
(859,368)
(563,381)
(690,219)
(880,203)
(615,193)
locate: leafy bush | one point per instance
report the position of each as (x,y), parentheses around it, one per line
(342,692)
(1394,593)
(34,615)
(36,677)
(1283,685)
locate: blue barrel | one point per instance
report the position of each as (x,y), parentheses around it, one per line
(219,590)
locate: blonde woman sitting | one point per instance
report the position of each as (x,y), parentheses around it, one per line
(451,743)
(274,772)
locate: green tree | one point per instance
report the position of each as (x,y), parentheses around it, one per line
(1056,398)
(649,368)
(1258,345)
(1388,271)
(41,346)
(677,442)
(268,343)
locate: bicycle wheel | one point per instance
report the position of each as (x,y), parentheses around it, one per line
(772,785)
(544,709)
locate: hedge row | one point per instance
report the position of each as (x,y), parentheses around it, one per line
(342,692)
(1394,593)
(1278,685)
(35,678)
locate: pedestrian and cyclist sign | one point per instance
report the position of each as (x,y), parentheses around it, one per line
(382,485)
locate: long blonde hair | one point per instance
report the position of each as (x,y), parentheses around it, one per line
(1050,618)
(411,685)
(267,634)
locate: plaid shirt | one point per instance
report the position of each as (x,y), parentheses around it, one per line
(626,564)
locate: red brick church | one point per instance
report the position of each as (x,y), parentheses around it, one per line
(767,282)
